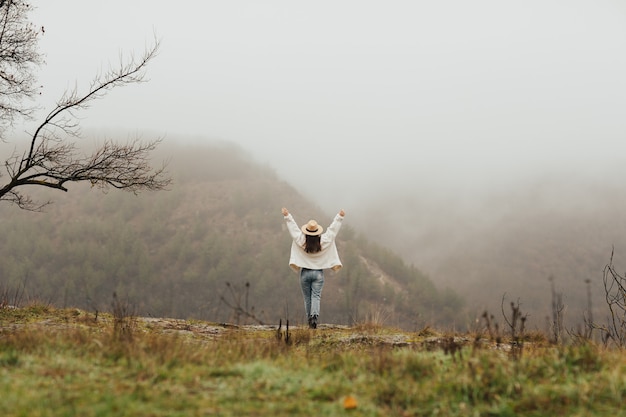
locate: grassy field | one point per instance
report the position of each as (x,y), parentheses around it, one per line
(68,362)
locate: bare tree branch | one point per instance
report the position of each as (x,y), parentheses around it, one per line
(19,57)
(52,160)
(62,116)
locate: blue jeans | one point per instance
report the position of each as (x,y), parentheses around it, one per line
(312,281)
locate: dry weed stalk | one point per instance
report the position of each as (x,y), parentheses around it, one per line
(517,324)
(124,320)
(279,332)
(236,306)
(557,313)
(615,296)
(492,328)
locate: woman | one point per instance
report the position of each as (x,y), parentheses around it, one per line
(312,251)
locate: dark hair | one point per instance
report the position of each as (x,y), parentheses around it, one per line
(313,244)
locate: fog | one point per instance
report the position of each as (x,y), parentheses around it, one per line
(428,122)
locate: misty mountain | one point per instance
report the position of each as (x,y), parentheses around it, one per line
(213,247)
(547,236)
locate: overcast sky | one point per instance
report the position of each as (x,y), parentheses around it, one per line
(418,97)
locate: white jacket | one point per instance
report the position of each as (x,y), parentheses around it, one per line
(326,258)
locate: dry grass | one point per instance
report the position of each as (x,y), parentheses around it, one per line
(68,362)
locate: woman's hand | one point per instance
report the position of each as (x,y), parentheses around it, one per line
(342,213)
(285,212)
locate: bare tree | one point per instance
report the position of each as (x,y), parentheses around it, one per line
(53,158)
(19,57)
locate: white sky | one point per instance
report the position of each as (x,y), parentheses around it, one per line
(418,97)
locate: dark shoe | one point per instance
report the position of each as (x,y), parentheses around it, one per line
(313,322)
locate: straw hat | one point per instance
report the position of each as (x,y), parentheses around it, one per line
(312,228)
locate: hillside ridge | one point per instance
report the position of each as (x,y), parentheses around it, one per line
(212,247)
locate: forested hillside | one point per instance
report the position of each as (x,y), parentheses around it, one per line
(549,237)
(212,247)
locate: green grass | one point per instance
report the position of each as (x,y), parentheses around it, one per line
(70,363)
